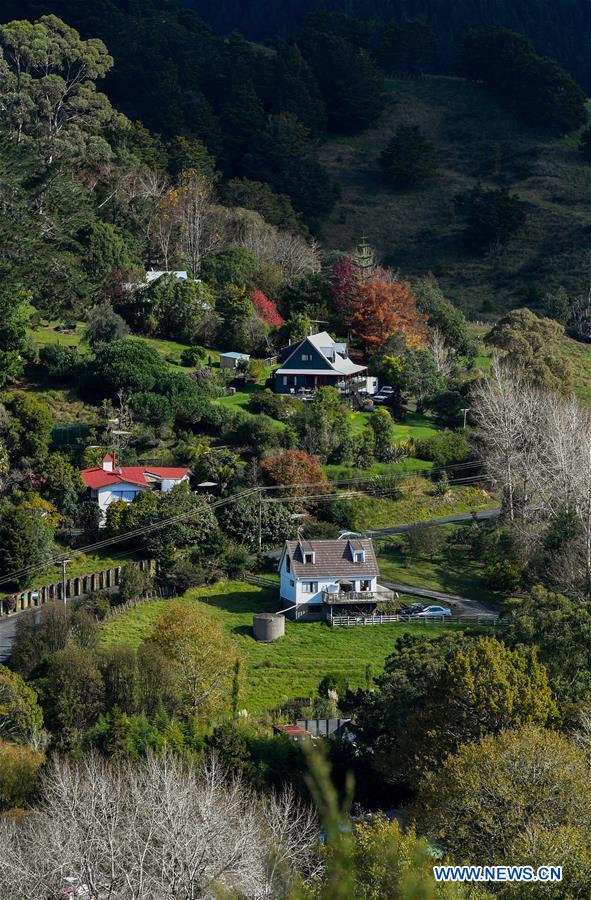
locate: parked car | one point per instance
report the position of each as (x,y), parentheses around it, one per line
(431,612)
(411,610)
(387,389)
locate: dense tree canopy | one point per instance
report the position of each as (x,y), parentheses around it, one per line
(531,346)
(48,88)
(489,794)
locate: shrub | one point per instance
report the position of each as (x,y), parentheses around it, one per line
(152,408)
(134,582)
(261,433)
(61,362)
(19,770)
(444,448)
(503,575)
(126,365)
(104,326)
(193,356)
(277,406)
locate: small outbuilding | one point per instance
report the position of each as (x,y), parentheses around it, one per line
(230,360)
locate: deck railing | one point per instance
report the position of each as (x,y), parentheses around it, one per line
(356,597)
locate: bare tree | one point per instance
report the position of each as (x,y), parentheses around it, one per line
(440,351)
(198,228)
(508,414)
(164,227)
(162,829)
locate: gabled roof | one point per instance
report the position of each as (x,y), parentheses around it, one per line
(332,559)
(97,477)
(322,343)
(155,274)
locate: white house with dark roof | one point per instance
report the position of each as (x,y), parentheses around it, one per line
(318,361)
(320,576)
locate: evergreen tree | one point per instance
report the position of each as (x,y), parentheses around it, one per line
(350,82)
(298,92)
(409,157)
(493,217)
(407,46)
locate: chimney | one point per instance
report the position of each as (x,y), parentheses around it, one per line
(107,463)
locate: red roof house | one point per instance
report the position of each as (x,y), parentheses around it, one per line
(108,482)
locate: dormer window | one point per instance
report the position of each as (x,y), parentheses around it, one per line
(309,557)
(359,556)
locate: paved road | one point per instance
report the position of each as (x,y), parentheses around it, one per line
(480,516)
(7,633)
(462,606)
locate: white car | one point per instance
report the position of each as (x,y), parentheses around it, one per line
(386,390)
(432,612)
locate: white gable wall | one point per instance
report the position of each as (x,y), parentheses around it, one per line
(309,589)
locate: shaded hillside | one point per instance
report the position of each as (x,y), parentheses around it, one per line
(420,230)
(558,29)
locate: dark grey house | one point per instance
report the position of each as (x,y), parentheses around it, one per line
(318,361)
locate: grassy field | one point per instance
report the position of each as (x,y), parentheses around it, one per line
(449,568)
(414,426)
(419,231)
(44,335)
(418,503)
(290,667)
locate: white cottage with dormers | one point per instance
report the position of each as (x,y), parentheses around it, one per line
(318,577)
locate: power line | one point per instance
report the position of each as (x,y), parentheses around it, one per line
(164,523)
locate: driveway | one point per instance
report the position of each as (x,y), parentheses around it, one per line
(461,606)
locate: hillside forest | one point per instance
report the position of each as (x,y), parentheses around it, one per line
(180,181)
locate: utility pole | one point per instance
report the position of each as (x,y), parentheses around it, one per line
(465,410)
(63,562)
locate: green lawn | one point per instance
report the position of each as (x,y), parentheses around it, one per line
(46,334)
(451,569)
(240,399)
(413,427)
(290,667)
(418,503)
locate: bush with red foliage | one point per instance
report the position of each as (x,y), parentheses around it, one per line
(266,309)
(300,473)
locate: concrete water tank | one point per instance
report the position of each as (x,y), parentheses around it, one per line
(268,626)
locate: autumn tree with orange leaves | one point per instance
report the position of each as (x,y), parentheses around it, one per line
(384,306)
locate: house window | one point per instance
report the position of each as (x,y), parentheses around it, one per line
(287,564)
(291,582)
(366,585)
(306,357)
(359,556)
(309,558)
(285,381)
(310,587)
